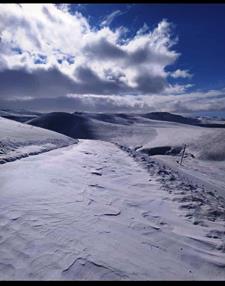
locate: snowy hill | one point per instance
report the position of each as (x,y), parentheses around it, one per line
(19,140)
(205,151)
(165,130)
(166,116)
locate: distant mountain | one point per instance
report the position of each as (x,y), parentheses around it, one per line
(166,116)
(103,126)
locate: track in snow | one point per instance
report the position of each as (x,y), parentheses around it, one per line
(89,211)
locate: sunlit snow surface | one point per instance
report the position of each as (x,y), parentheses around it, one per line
(95,210)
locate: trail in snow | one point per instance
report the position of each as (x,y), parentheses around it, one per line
(90,211)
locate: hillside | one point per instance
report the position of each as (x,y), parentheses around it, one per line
(19,140)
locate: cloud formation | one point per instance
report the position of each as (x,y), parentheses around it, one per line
(46,36)
(213,100)
(181,73)
(109,18)
(51,58)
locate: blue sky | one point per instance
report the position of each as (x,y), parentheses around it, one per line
(113,57)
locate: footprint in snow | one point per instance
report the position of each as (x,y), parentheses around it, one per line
(96,186)
(98,169)
(96,173)
(110,213)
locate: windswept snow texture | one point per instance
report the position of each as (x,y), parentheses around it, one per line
(97,213)
(19,140)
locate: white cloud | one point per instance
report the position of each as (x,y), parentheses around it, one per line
(109,18)
(181,73)
(64,7)
(55,58)
(47,36)
(213,100)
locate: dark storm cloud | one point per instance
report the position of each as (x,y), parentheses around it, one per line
(150,84)
(90,82)
(40,83)
(52,83)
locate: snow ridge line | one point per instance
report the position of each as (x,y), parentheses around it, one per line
(202,207)
(19,156)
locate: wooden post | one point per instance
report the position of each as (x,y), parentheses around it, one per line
(182,156)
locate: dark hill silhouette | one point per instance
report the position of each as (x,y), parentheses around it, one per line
(68,124)
(166,116)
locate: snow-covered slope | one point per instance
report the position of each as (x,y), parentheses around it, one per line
(131,129)
(96,213)
(204,161)
(19,140)
(205,152)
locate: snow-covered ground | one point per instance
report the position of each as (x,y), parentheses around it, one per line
(92,211)
(204,161)
(209,174)
(19,140)
(205,147)
(106,209)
